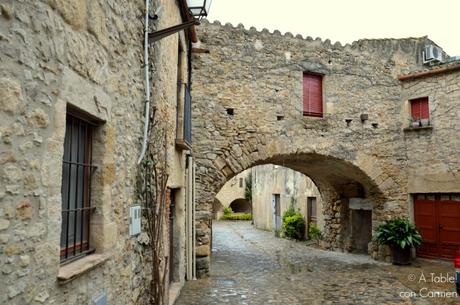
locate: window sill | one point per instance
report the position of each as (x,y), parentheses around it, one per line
(418,128)
(71,271)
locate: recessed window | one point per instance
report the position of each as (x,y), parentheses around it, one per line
(312,208)
(420,109)
(77,169)
(312,95)
(230,111)
(241,182)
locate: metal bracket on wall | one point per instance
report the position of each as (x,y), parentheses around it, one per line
(158,35)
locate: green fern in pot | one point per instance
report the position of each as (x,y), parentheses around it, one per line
(401,235)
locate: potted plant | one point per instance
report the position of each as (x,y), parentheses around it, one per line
(400,235)
(425,122)
(415,123)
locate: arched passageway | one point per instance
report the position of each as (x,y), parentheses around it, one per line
(240,205)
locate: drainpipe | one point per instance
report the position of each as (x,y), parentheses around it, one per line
(193,220)
(147,83)
(189,209)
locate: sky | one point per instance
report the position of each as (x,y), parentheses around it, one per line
(348,20)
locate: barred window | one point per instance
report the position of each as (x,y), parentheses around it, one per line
(77,169)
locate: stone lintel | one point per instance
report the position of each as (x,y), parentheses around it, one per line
(360,204)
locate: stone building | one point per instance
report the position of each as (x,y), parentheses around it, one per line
(72,105)
(232,195)
(275,189)
(338,114)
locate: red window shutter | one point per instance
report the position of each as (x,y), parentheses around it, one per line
(312,95)
(420,108)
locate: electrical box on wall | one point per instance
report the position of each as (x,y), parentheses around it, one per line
(134,220)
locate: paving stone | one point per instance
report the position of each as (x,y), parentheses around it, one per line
(250,266)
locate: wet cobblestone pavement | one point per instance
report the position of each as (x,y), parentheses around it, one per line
(250,266)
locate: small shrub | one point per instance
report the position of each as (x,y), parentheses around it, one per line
(228,211)
(288,213)
(314,232)
(294,226)
(237,216)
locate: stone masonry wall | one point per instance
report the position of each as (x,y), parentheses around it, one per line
(89,54)
(432,153)
(259,76)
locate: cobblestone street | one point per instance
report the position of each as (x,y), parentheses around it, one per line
(251,266)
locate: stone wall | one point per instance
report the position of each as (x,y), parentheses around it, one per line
(432,152)
(293,187)
(88,54)
(248,111)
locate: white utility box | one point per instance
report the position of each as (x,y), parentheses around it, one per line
(134,220)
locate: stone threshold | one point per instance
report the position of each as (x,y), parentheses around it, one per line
(74,269)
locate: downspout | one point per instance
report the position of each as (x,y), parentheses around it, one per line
(147,83)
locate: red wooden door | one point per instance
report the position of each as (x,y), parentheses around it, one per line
(449,228)
(438,220)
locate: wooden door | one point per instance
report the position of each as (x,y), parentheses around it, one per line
(276,206)
(449,228)
(438,219)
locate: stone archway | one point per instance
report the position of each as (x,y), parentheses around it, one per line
(240,205)
(247,110)
(340,182)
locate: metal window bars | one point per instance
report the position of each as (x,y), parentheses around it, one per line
(77,169)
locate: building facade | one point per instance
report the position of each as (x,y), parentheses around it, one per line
(275,189)
(72,119)
(232,195)
(338,114)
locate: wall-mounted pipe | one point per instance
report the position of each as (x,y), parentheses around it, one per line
(147,83)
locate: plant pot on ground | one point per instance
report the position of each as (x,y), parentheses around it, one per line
(401,235)
(401,256)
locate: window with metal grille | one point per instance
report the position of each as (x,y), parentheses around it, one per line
(312,95)
(77,169)
(419,108)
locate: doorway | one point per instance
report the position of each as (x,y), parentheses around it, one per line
(437,217)
(276,207)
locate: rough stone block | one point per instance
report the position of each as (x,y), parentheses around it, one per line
(73,12)
(38,118)
(97,23)
(10,96)
(203,250)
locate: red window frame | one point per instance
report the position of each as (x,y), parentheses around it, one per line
(419,108)
(312,94)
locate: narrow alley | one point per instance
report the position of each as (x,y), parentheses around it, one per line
(251,266)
